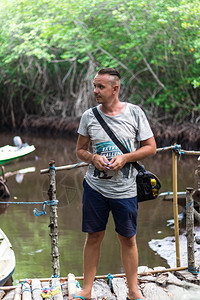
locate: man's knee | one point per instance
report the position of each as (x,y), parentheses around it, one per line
(95,237)
(127,241)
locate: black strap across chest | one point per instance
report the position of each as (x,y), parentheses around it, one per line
(113,136)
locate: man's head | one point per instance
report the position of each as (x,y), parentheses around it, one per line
(114,75)
(106,84)
(109,71)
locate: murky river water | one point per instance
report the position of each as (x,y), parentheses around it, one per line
(29,234)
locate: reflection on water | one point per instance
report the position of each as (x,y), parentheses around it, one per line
(29,234)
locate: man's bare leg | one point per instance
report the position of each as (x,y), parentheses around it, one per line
(130,262)
(92,251)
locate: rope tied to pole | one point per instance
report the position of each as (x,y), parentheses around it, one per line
(76,165)
(186,206)
(53,168)
(55,276)
(193,270)
(53,290)
(36,211)
(110,277)
(39,213)
(178,150)
(26,288)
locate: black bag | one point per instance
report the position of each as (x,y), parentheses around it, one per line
(148,184)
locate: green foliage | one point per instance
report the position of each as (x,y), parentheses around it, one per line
(47,47)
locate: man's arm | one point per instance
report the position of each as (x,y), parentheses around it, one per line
(148,148)
(82,148)
(83,154)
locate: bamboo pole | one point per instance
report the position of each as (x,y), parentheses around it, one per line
(190,227)
(9,287)
(187,152)
(83,164)
(139,274)
(71,284)
(45,285)
(36,289)
(26,291)
(18,292)
(56,284)
(53,220)
(175,206)
(167,148)
(63,279)
(67,167)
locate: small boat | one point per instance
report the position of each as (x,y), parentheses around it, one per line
(9,153)
(7,259)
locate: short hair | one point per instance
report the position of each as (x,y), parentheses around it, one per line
(109,71)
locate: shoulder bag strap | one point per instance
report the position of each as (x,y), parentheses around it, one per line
(113,136)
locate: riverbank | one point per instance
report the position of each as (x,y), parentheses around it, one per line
(186,134)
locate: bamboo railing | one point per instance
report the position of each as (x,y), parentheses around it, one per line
(176,151)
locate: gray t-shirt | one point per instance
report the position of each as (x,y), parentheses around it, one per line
(130,127)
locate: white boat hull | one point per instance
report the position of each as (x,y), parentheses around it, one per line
(9,153)
(7,259)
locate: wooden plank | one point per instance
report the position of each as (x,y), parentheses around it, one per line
(159,269)
(9,295)
(187,276)
(144,270)
(36,289)
(2,293)
(18,292)
(45,286)
(56,285)
(145,275)
(103,291)
(64,289)
(71,284)
(154,292)
(172,279)
(26,291)
(120,288)
(143,279)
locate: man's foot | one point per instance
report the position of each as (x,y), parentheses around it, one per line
(136,297)
(80,296)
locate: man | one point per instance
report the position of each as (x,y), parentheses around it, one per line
(110,182)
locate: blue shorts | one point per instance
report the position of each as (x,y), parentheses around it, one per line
(96,210)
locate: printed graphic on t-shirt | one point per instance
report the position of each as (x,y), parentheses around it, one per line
(110,150)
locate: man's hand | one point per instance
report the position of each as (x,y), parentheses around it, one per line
(117,162)
(101,162)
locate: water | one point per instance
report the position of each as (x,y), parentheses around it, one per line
(29,235)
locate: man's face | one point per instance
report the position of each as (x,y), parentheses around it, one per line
(103,88)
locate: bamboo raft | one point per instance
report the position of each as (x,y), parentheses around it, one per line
(155,284)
